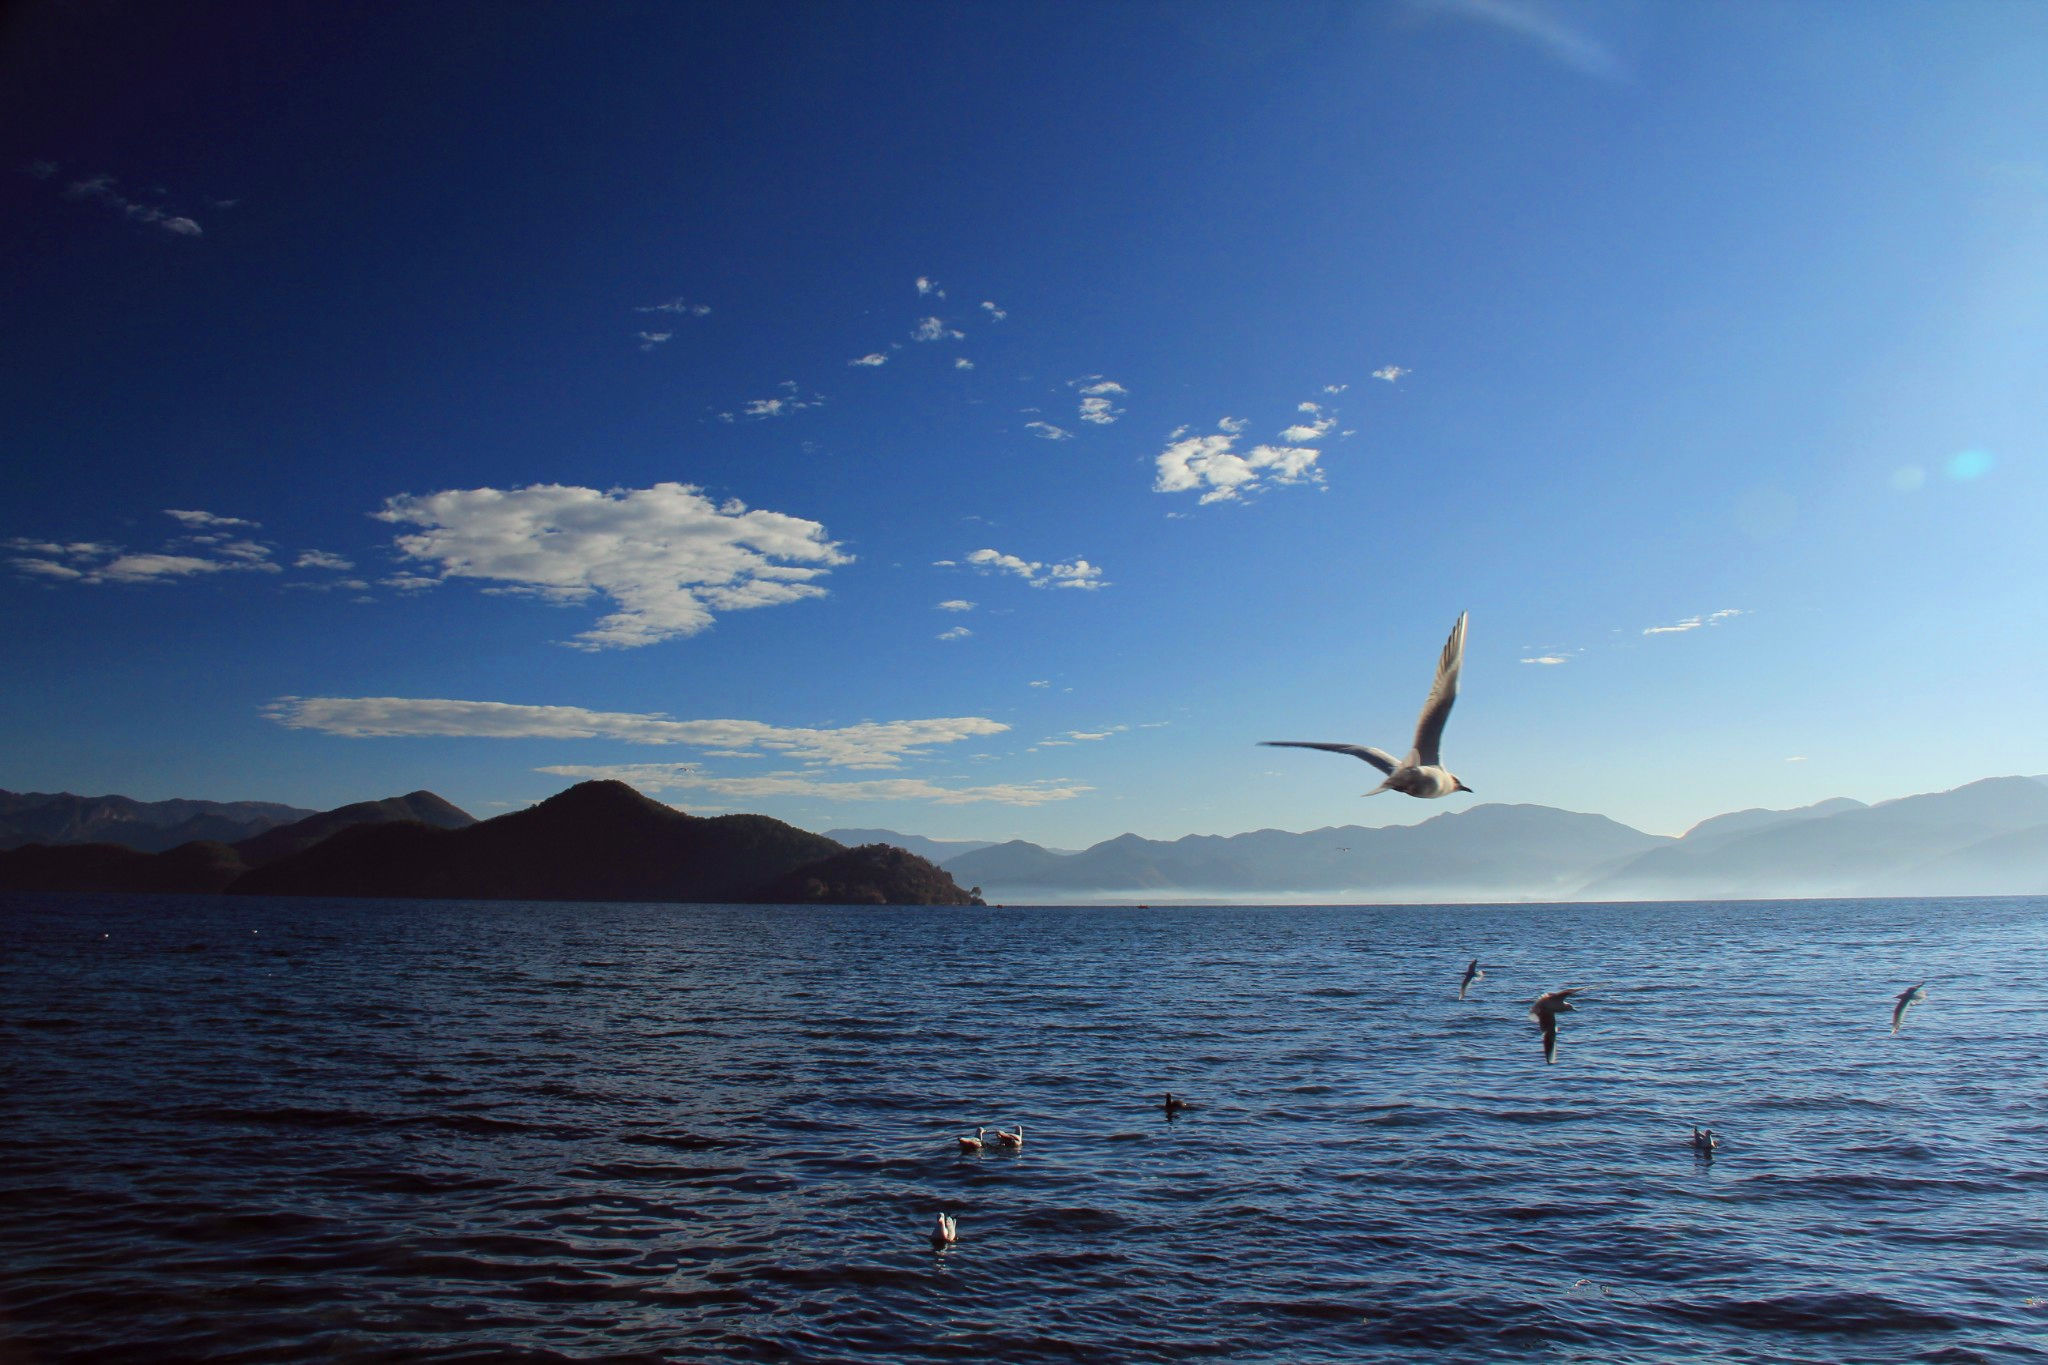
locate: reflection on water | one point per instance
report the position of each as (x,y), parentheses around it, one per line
(278,1130)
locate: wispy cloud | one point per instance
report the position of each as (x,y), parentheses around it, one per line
(1049,431)
(1390,373)
(1097,395)
(956,633)
(1712,618)
(1548,659)
(99,189)
(1538,25)
(679,306)
(1213,465)
(1335,388)
(1078,573)
(956,604)
(666,556)
(926,286)
(196,519)
(869,744)
(871,359)
(655,777)
(650,340)
(213,546)
(963,363)
(1298,433)
(321,559)
(932,329)
(995,314)
(781,405)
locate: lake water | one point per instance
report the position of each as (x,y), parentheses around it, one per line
(275,1130)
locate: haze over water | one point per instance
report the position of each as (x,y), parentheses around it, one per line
(273,1130)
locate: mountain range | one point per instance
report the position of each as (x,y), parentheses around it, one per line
(1985,838)
(597,841)
(148,826)
(605,841)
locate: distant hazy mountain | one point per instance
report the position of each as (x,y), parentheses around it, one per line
(1895,847)
(1490,850)
(1716,828)
(597,841)
(938,850)
(149,826)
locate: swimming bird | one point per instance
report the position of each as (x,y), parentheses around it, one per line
(1545,1011)
(1176,1106)
(1907,998)
(1473,972)
(1011,1142)
(973,1144)
(1421,774)
(945,1232)
(1704,1143)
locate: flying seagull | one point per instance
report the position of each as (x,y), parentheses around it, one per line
(1421,774)
(1907,998)
(1545,1011)
(1473,971)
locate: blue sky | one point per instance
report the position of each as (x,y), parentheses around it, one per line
(990,421)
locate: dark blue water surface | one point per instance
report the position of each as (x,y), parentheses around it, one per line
(274,1130)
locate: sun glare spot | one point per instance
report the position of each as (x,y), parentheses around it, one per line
(1909,479)
(1970,464)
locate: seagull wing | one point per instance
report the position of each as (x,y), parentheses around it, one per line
(1429,729)
(1549,1022)
(1379,758)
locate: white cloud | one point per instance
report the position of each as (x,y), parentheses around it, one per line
(1797,758)
(1308,407)
(667,556)
(995,314)
(1390,373)
(680,307)
(1049,431)
(956,633)
(963,363)
(1096,396)
(1299,433)
(197,520)
(1211,464)
(927,285)
(650,340)
(931,329)
(1714,618)
(1548,659)
(788,401)
(1039,682)
(1233,425)
(655,777)
(956,604)
(100,189)
(1335,388)
(1538,26)
(1077,574)
(210,550)
(871,359)
(870,744)
(321,559)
